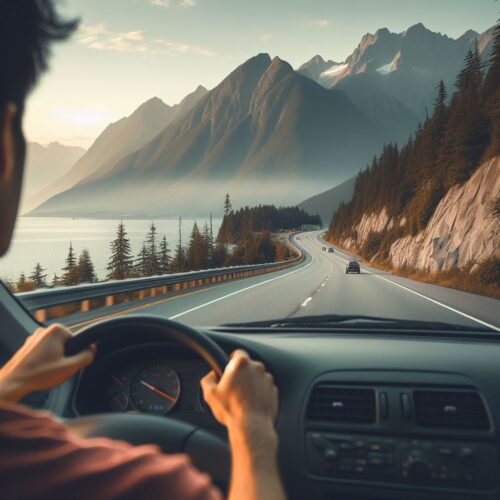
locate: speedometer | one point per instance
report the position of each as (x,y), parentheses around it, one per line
(155,389)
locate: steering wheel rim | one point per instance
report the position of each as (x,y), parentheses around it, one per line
(165,329)
(207,451)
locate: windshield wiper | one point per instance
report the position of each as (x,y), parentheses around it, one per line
(359,322)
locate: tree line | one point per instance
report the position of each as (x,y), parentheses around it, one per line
(462,133)
(237,223)
(249,231)
(201,251)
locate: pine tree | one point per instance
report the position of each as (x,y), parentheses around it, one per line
(55,281)
(121,261)
(24,285)
(38,278)
(153,264)
(491,95)
(195,250)
(228,208)
(220,255)
(440,101)
(179,261)
(142,262)
(208,246)
(86,270)
(164,257)
(70,276)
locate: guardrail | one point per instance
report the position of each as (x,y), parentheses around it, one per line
(108,293)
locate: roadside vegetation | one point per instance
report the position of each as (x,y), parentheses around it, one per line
(244,238)
(409,183)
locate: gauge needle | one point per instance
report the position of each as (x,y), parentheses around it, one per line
(158,391)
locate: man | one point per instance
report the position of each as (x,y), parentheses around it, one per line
(39,457)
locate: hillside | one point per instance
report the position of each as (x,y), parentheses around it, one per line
(45,165)
(325,204)
(440,209)
(265,132)
(120,139)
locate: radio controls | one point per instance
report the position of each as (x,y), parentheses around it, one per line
(402,460)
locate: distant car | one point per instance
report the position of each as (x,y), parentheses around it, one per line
(352,267)
(324,249)
(330,250)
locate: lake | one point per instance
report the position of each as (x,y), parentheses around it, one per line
(46,240)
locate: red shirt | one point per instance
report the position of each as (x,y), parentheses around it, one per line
(40,458)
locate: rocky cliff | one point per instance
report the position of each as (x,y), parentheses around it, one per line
(462,228)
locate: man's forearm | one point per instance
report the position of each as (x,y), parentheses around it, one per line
(255,473)
(10,389)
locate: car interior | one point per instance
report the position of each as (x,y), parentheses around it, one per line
(368,410)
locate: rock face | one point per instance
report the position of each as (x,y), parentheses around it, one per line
(461,229)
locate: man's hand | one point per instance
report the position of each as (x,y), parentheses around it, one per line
(40,364)
(245,393)
(245,400)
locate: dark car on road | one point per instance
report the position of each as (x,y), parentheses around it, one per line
(324,249)
(352,267)
(330,250)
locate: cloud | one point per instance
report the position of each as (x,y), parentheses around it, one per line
(166,3)
(265,37)
(100,37)
(320,23)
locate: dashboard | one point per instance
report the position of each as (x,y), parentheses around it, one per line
(154,378)
(363,416)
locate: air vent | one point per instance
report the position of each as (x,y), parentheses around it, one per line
(342,404)
(450,409)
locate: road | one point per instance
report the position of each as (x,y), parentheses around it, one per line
(317,286)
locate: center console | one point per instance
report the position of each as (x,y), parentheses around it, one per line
(431,437)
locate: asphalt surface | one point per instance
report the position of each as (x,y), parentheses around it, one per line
(317,286)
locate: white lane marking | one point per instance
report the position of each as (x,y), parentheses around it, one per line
(468,316)
(304,304)
(465,315)
(242,290)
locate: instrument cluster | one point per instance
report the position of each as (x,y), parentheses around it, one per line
(152,380)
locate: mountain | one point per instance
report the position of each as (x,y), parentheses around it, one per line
(265,133)
(406,66)
(122,138)
(315,67)
(433,205)
(326,203)
(46,164)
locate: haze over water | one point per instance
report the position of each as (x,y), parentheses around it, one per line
(46,240)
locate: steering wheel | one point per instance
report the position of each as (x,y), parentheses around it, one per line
(208,452)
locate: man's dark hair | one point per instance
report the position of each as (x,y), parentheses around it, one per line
(27,27)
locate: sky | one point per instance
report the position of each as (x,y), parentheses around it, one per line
(127,51)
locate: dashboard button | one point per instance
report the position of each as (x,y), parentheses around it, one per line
(376,459)
(446,451)
(319,441)
(330,454)
(360,444)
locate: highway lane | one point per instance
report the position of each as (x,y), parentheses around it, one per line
(318,286)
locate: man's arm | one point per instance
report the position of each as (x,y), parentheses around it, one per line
(40,364)
(245,400)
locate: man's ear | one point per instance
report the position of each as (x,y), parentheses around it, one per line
(7,148)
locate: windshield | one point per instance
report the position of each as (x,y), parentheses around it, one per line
(238,162)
